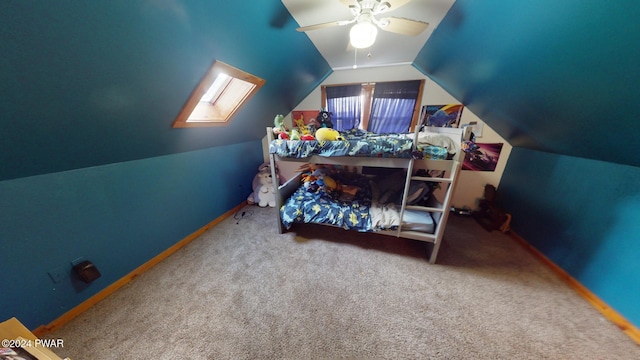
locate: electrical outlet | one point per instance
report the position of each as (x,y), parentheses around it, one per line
(58,274)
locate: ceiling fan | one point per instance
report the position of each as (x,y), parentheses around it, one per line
(363,33)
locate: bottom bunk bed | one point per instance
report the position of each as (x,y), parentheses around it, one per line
(333,195)
(403,197)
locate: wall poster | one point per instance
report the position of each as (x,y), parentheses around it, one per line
(442,115)
(303,115)
(481,157)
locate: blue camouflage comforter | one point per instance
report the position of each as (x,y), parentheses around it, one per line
(357,143)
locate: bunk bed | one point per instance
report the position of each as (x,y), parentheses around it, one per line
(393,184)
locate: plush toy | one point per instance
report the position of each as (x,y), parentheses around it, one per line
(327,134)
(279,127)
(324,119)
(301,126)
(264,187)
(312,126)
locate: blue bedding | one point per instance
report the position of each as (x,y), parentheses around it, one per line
(319,206)
(358,143)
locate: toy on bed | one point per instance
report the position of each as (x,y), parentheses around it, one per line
(279,128)
(328,134)
(303,131)
(327,180)
(329,194)
(324,119)
(264,189)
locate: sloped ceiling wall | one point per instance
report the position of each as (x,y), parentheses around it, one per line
(85,84)
(554,76)
(90,83)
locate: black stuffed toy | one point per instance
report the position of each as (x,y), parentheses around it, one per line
(324,119)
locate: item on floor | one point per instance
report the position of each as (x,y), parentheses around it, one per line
(264,192)
(489,215)
(462,211)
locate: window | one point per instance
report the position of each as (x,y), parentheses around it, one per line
(218,96)
(383,107)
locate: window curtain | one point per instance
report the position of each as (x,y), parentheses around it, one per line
(392,107)
(344,102)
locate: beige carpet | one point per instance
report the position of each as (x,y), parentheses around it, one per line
(241,291)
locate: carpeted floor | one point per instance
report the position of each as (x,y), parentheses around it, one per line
(242,291)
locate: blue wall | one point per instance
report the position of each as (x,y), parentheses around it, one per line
(549,75)
(118,216)
(86,83)
(89,163)
(582,214)
(559,81)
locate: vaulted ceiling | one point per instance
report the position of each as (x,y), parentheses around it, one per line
(91,83)
(390,48)
(555,76)
(87,84)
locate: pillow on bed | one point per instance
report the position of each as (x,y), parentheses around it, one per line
(426,138)
(416,220)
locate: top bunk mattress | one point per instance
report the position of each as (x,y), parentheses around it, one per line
(360,143)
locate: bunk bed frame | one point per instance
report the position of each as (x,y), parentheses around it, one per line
(439,210)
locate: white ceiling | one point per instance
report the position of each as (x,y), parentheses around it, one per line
(389,48)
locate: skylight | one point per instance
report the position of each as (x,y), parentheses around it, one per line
(220,94)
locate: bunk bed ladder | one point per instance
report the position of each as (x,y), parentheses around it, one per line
(448,179)
(446,205)
(405,194)
(407,181)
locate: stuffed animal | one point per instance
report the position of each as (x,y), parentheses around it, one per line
(324,119)
(327,134)
(312,126)
(302,128)
(264,187)
(279,126)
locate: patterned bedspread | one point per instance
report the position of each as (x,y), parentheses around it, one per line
(319,206)
(358,143)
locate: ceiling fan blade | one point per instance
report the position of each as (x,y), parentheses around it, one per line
(325,25)
(402,26)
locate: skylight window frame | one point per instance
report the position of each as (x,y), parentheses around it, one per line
(199,113)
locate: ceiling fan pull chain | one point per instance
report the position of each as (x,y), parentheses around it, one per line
(355,58)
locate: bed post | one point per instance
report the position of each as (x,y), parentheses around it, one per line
(276,182)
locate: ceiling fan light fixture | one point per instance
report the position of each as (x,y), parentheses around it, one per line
(363,35)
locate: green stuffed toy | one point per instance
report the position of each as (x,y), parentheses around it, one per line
(279,128)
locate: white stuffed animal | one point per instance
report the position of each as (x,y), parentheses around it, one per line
(264,191)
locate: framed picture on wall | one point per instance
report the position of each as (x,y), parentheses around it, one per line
(303,115)
(442,115)
(482,157)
